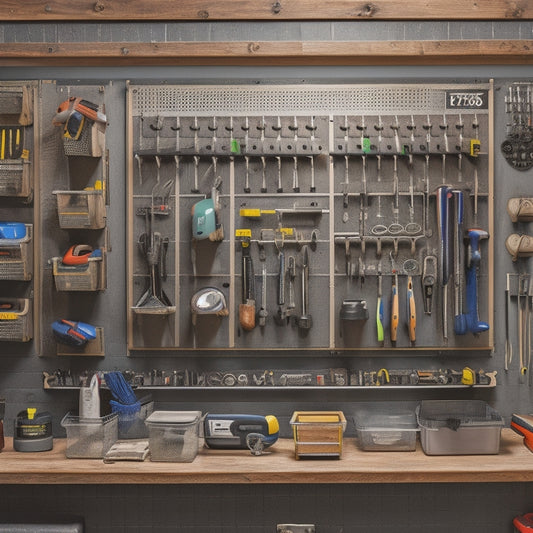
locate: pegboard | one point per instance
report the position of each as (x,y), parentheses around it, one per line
(339,197)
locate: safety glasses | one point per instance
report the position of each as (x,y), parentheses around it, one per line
(74,126)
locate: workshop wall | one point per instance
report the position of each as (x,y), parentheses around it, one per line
(21,367)
(21,371)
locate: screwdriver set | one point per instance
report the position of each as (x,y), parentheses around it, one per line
(327,217)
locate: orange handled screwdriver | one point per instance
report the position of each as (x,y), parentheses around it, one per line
(411,326)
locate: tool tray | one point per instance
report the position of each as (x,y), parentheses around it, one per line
(81,209)
(16,324)
(93,347)
(16,257)
(87,277)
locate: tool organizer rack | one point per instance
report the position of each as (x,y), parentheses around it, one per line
(345,174)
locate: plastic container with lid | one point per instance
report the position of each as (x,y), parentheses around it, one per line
(459,427)
(174,435)
(386,426)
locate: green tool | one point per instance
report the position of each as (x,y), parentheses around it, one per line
(379,308)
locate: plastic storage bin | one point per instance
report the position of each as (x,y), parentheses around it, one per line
(90,143)
(15,178)
(16,257)
(90,438)
(459,427)
(386,426)
(87,277)
(16,322)
(174,435)
(318,433)
(81,209)
(133,426)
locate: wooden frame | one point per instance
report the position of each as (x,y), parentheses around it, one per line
(453,52)
(199,10)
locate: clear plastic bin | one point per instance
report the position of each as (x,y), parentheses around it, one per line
(318,433)
(459,427)
(81,209)
(386,426)
(133,426)
(174,435)
(90,438)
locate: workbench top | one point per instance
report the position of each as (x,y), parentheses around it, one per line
(514,463)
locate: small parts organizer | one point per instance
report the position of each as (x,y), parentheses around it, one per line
(328,217)
(16,210)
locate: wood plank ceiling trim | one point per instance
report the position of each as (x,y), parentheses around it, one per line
(493,51)
(239,10)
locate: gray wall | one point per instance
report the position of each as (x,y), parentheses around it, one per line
(20,373)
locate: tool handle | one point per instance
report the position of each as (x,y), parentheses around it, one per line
(412,310)
(379,320)
(281,279)
(394,314)
(443,203)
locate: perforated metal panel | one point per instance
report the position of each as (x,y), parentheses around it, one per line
(204,100)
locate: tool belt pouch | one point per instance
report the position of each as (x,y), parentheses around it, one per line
(519,245)
(90,143)
(520,209)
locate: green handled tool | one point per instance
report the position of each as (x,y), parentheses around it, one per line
(379,308)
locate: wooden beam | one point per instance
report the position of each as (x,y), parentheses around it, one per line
(471,52)
(101,10)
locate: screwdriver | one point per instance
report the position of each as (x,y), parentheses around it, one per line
(379,308)
(394,306)
(411,326)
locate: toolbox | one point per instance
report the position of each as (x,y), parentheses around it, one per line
(386,426)
(318,433)
(459,427)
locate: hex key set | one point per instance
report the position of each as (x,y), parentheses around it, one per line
(327,217)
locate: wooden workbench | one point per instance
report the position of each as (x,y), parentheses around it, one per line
(513,464)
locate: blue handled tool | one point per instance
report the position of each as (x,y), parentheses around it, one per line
(73,333)
(473,324)
(459,324)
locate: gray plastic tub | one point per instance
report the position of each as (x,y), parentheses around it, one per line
(459,427)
